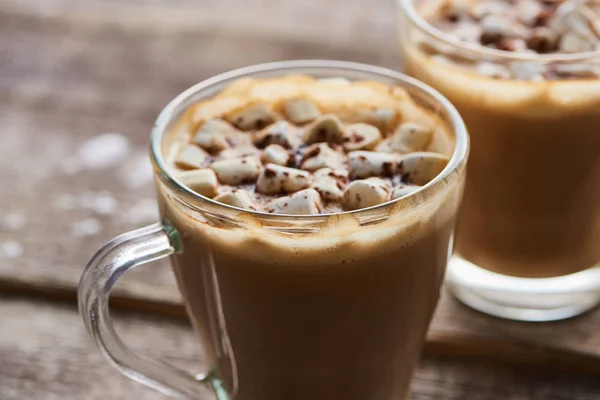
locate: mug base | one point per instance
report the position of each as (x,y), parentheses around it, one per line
(523,299)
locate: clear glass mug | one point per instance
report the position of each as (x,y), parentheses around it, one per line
(290,307)
(528,237)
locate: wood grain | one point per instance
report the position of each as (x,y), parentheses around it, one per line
(70,71)
(49,356)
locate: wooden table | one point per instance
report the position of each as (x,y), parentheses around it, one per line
(73,70)
(45,354)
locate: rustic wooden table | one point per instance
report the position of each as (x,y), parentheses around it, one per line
(80,76)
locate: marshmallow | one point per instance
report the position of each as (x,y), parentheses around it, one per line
(191,157)
(321,155)
(281,132)
(528,11)
(385,146)
(484,8)
(340,175)
(326,128)
(276,154)
(212,142)
(276,179)
(410,137)
(304,202)
(300,111)
(211,135)
(382,118)
(361,136)
(233,171)
(365,193)
(421,167)
(256,116)
(403,190)
(202,181)
(576,18)
(572,42)
(238,198)
(496,27)
(329,183)
(215,125)
(364,164)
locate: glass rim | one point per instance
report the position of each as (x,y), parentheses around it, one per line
(408,7)
(165,117)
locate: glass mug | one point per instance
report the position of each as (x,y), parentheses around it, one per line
(528,237)
(290,307)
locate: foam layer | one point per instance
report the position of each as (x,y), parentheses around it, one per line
(545,99)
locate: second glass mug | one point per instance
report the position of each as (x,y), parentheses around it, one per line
(528,235)
(287,307)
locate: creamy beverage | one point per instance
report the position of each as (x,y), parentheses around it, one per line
(525,76)
(329,309)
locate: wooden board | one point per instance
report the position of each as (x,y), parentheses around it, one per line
(48,356)
(70,71)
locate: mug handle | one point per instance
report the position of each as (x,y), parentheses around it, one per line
(123,253)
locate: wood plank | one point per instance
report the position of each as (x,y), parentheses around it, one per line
(48,356)
(66,77)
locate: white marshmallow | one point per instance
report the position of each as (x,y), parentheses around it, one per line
(233,171)
(382,118)
(320,155)
(202,181)
(329,183)
(191,157)
(237,198)
(361,136)
(256,116)
(281,132)
(497,25)
(326,128)
(215,125)
(421,167)
(304,202)
(276,154)
(364,164)
(410,137)
(576,18)
(385,146)
(403,190)
(212,142)
(276,179)
(528,11)
(365,193)
(300,111)
(339,174)
(571,42)
(211,135)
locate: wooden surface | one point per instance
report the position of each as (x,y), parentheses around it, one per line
(48,356)
(72,70)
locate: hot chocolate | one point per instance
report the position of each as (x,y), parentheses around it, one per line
(525,76)
(337,309)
